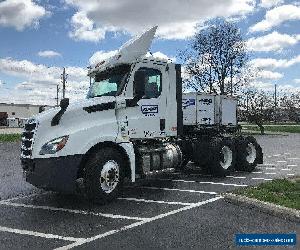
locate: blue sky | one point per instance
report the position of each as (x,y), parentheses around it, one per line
(38,38)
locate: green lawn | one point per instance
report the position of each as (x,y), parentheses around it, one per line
(281,192)
(10,137)
(276,128)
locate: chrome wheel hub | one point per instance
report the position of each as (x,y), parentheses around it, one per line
(251,153)
(227,157)
(110,175)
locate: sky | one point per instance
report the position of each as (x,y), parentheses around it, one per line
(40,37)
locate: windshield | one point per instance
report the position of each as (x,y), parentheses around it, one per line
(109,83)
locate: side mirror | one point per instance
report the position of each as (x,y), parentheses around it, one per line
(64,103)
(139,83)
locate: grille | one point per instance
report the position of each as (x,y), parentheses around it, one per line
(27,139)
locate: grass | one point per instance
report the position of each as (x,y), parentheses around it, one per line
(270,128)
(281,192)
(10,137)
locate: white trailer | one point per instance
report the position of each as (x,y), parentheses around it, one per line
(134,122)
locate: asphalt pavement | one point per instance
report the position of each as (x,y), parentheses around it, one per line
(172,210)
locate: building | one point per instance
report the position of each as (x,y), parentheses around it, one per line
(8,112)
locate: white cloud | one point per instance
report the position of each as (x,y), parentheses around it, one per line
(274,63)
(20,13)
(277,16)
(272,42)
(101,55)
(176,19)
(297,81)
(270,3)
(48,53)
(40,81)
(84,29)
(266,74)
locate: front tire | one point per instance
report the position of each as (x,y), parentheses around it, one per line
(104,175)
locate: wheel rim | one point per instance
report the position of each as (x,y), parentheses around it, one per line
(227,157)
(110,175)
(251,153)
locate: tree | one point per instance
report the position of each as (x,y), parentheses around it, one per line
(290,103)
(216,59)
(258,106)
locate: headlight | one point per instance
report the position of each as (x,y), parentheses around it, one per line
(54,146)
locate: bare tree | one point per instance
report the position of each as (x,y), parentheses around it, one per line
(290,105)
(216,58)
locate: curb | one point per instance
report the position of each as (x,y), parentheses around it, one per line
(266,207)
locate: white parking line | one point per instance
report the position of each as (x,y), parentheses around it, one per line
(295,158)
(112,216)
(290,174)
(155,201)
(259,178)
(175,189)
(286,169)
(257,172)
(266,164)
(137,224)
(277,155)
(270,173)
(282,161)
(270,168)
(236,177)
(205,182)
(292,165)
(37,234)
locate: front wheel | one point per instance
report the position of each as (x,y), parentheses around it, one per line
(104,175)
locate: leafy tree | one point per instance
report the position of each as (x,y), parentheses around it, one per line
(216,59)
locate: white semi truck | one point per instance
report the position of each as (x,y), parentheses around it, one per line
(134,121)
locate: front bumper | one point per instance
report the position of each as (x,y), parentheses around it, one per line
(55,174)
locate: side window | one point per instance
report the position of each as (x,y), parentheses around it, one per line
(153,84)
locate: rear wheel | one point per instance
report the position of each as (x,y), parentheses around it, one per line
(249,154)
(104,175)
(223,157)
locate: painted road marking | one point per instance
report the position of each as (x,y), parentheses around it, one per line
(292,165)
(176,189)
(290,174)
(156,201)
(236,177)
(282,161)
(137,224)
(205,182)
(271,168)
(270,173)
(37,234)
(286,169)
(257,172)
(259,178)
(112,216)
(277,155)
(294,158)
(266,164)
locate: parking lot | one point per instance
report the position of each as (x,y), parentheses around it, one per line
(171,210)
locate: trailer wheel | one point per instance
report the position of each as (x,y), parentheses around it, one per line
(223,157)
(104,174)
(249,154)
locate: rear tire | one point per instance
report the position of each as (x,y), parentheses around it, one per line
(104,175)
(223,157)
(249,154)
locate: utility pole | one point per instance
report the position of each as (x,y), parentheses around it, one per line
(57,90)
(275,99)
(64,80)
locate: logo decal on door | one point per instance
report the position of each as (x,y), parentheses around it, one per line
(149,110)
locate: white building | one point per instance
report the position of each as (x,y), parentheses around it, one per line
(16,114)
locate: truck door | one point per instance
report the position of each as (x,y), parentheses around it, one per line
(146,117)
